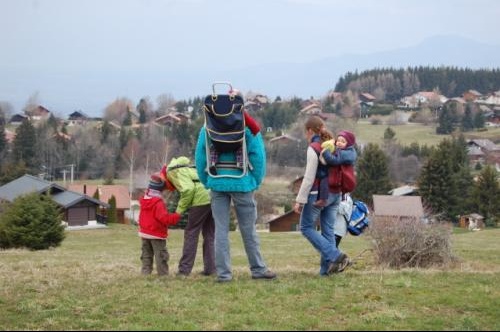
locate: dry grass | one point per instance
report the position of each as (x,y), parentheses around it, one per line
(92,282)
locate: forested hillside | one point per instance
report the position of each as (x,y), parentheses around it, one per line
(398,83)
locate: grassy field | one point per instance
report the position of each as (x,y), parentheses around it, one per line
(412,132)
(92,282)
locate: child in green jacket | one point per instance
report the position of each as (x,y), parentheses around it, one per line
(195,199)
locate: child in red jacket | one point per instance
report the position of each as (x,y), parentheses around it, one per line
(154,220)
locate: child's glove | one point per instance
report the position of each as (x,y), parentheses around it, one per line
(329,145)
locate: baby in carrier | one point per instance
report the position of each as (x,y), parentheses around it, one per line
(216,147)
(344,154)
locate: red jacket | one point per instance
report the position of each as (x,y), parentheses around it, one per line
(154,218)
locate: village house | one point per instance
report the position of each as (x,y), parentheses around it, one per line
(78,118)
(398,207)
(483,151)
(472,222)
(311,109)
(406,190)
(78,209)
(367,98)
(18,119)
(288,222)
(105,192)
(39,113)
(471,95)
(421,98)
(284,139)
(172,118)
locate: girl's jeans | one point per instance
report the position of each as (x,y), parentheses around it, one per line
(323,240)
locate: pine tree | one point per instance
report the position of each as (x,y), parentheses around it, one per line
(372,174)
(24,146)
(3,140)
(467,120)
(486,195)
(112,213)
(96,194)
(445,179)
(105,131)
(479,120)
(445,125)
(434,182)
(389,133)
(32,221)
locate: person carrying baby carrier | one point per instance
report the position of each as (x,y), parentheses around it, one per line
(232,183)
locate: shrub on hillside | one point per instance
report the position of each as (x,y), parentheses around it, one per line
(410,243)
(32,221)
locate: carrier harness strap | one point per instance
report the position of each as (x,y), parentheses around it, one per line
(180,166)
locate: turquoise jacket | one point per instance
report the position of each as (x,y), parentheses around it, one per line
(250,182)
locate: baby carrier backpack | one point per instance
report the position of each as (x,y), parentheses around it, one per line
(358,221)
(225,131)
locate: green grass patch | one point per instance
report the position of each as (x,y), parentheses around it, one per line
(413,132)
(93,282)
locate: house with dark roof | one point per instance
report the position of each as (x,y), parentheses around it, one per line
(17,119)
(77,209)
(78,118)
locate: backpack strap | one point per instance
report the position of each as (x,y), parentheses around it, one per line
(179,166)
(316,147)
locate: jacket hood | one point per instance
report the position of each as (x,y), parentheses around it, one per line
(178,161)
(148,202)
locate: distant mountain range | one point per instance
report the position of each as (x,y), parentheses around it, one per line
(316,78)
(91,92)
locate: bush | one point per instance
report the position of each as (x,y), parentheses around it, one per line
(410,243)
(32,221)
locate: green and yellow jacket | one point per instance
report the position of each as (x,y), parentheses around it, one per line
(185,180)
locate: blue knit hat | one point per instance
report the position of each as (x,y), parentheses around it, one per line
(156,183)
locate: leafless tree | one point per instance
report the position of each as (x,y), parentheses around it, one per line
(31,103)
(118,110)
(6,110)
(164,102)
(397,118)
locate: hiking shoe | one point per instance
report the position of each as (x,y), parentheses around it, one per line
(222,280)
(182,274)
(206,274)
(339,264)
(269,275)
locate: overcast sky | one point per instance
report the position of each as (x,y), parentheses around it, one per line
(93,35)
